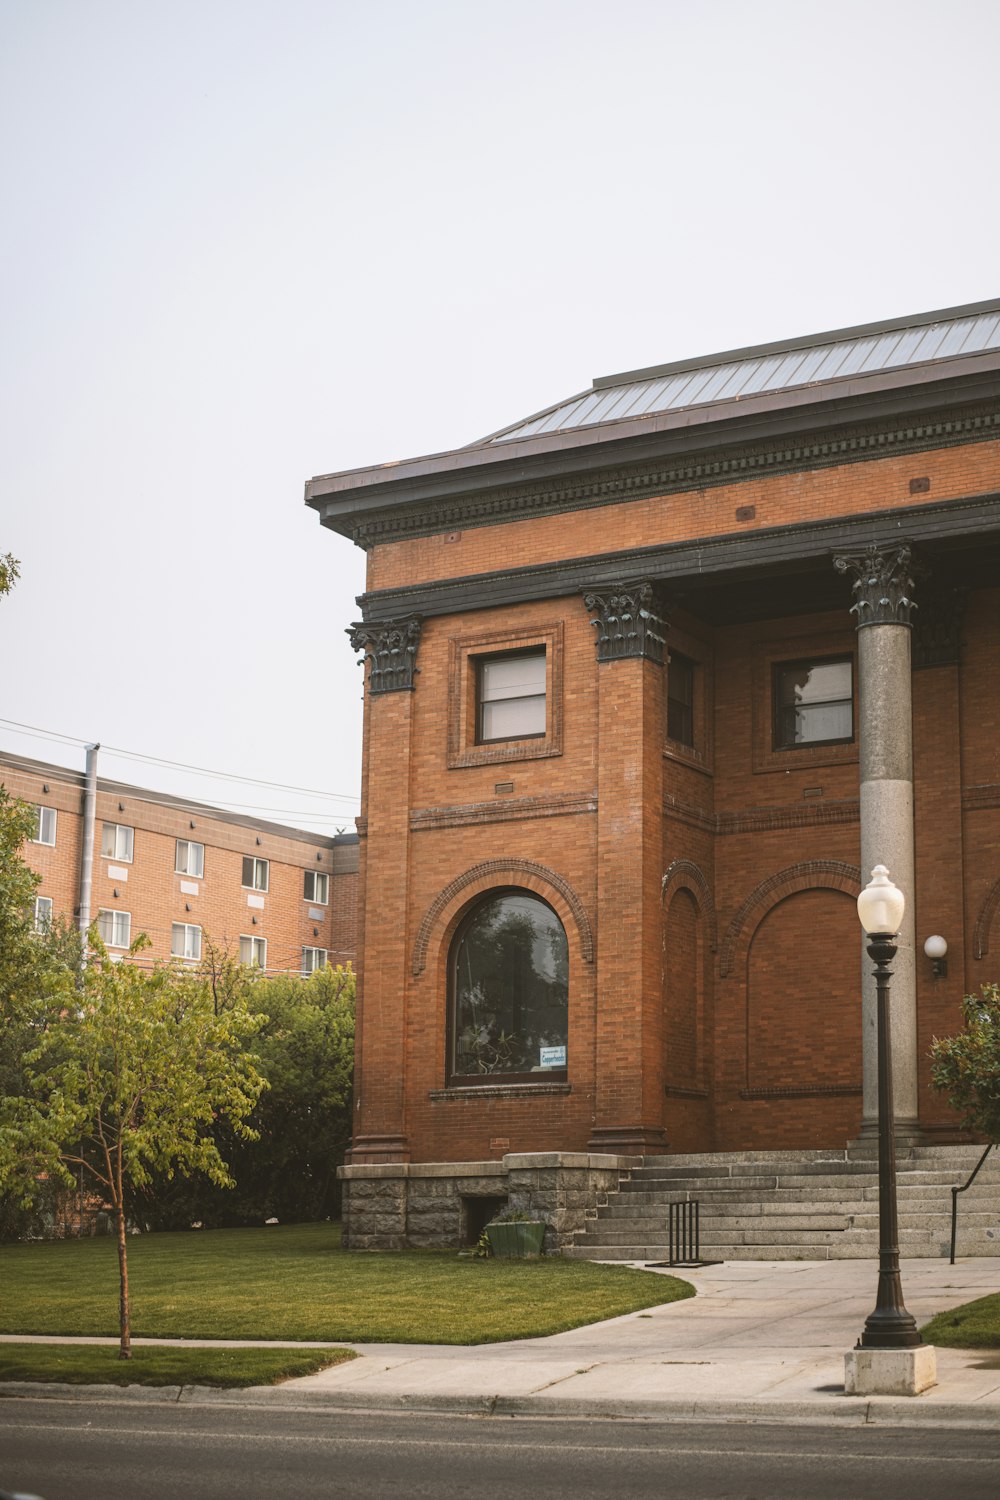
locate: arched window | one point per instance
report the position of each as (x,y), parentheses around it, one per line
(509,986)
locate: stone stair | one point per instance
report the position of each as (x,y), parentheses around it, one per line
(798,1205)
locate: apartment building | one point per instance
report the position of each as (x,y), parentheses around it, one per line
(186,873)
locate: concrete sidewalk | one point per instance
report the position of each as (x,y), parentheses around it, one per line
(763,1340)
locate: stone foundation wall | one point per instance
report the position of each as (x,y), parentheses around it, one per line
(442,1205)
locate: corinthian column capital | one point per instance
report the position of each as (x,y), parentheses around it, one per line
(883,583)
(390,647)
(628,621)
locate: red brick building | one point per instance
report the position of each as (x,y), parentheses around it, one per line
(183,873)
(655,677)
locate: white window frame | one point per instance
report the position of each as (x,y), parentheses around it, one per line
(43,913)
(258,952)
(46,816)
(186,931)
(116,840)
(484,700)
(258,865)
(318,877)
(310,965)
(118,919)
(183,867)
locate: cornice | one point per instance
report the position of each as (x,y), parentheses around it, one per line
(701,470)
(669,563)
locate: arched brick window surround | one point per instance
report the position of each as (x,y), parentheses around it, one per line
(684,872)
(506,872)
(831,874)
(984,922)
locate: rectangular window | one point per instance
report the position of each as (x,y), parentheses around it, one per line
(117,842)
(254,873)
(189,858)
(511,697)
(43,913)
(115,927)
(253,951)
(185,940)
(813,702)
(316,886)
(44,831)
(313,959)
(680,698)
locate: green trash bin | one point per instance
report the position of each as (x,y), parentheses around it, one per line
(517,1240)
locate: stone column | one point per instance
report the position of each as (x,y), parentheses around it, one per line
(380,1040)
(883,601)
(631,730)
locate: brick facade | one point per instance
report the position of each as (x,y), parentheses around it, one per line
(149,888)
(707,889)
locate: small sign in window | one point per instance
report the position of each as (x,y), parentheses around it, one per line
(552,1057)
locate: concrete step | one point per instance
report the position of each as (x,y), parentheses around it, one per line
(983,1198)
(736,1229)
(645,1213)
(802,1181)
(740,1159)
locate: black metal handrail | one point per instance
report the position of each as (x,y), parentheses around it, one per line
(954,1198)
(684,1233)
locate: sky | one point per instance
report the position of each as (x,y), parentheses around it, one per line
(245,242)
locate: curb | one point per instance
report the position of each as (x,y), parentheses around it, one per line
(846,1410)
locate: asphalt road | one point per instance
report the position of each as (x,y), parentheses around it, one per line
(87,1450)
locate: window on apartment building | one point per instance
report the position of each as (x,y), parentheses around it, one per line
(43,913)
(189,858)
(117,842)
(115,928)
(510,700)
(313,959)
(316,886)
(255,873)
(253,952)
(509,992)
(813,702)
(44,830)
(680,698)
(185,940)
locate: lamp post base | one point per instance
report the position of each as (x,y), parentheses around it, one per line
(890,1372)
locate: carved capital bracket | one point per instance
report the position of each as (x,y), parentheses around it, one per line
(883,584)
(937,634)
(629,622)
(391,649)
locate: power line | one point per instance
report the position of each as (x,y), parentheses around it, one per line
(177,765)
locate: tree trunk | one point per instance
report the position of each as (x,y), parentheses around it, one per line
(124,1318)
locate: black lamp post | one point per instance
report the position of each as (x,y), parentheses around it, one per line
(889,1325)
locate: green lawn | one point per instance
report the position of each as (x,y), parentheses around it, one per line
(98,1364)
(294,1282)
(975,1325)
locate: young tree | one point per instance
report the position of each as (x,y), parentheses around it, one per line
(967,1067)
(129,1081)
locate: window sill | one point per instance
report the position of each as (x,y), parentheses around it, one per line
(684,755)
(476,1091)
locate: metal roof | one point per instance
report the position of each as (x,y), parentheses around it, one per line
(823,359)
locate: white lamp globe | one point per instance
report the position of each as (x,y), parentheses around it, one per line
(935,947)
(881,904)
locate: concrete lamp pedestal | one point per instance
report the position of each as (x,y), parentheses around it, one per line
(890,1372)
